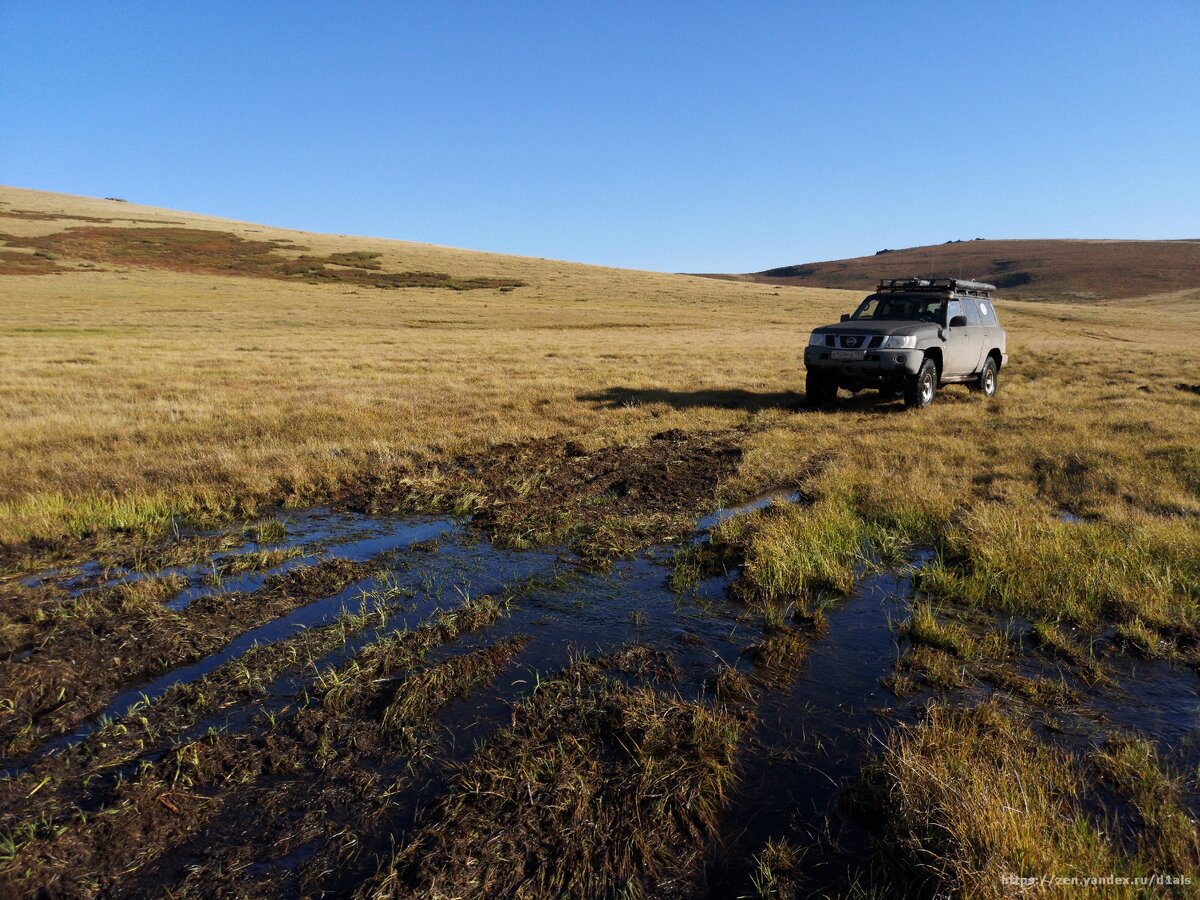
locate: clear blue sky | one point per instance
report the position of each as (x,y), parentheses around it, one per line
(676,136)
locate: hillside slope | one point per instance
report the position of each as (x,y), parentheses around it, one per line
(1079,270)
(158,362)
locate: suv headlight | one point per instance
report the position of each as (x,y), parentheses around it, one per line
(900,342)
(816,340)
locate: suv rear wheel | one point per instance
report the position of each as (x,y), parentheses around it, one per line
(819,388)
(919,389)
(986,383)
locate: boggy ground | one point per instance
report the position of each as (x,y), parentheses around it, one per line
(157,421)
(601,502)
(693,722)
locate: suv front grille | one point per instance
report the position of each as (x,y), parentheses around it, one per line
(854,341)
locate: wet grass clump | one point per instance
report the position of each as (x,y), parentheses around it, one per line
(948,654)
(731,686)
(970,799)
(259,561)
(1082,573)
(346,688)
(793,550)
(598,789)
(1167,838)
(423,693)
(1053,640)
(779,656)
(778,871)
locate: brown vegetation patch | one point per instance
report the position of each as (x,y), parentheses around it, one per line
(201,251)
(1033,269)
(13,262)
(602,502)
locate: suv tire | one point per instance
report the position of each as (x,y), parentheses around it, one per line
(819,388)
(919,389)
(986,383)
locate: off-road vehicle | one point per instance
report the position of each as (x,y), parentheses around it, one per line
(907,338)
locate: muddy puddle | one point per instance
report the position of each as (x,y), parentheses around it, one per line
(310,535)
(810,732)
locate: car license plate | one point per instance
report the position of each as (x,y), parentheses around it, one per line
(846,354)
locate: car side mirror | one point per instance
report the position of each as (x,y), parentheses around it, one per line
(845,317)
(958,322)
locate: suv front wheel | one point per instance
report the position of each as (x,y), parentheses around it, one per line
(920,389)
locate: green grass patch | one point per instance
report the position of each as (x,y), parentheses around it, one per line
(1080,573)
(793,550)
(971,799)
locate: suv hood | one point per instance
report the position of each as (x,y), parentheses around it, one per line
(886,327)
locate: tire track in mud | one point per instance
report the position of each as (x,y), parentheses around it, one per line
(181,799)
(347,783)
(362,708)
(126,635)
(77,775)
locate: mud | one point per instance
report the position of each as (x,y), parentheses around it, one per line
(441,710)
(600,503)
(124,637)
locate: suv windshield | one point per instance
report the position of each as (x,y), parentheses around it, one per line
(901,306)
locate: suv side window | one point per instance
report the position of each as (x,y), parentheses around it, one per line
(988,314)
(970,312)
(953,308)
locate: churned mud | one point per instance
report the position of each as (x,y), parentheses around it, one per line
(349,701)
(601,503)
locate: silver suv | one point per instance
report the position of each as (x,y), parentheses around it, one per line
(908,338)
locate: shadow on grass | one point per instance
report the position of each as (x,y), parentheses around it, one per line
(732,398)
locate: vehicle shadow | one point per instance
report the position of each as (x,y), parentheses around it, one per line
(734,398)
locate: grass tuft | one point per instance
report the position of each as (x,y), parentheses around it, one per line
(971,798)
(598,789)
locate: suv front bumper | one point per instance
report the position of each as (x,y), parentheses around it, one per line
(867,363)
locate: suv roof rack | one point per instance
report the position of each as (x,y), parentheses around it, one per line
(935,285)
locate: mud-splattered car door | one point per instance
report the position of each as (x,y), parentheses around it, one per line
(961,350)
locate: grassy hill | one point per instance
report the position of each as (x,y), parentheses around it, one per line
(1080,270)
(176,388)
(159,362)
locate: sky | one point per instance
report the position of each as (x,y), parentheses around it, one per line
(698,137)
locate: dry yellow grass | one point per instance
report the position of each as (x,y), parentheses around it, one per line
(132,394)
(158,388)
